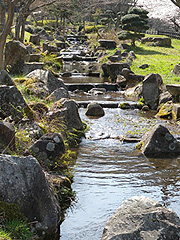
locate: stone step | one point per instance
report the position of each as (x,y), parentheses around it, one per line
(83,104)
(88,86)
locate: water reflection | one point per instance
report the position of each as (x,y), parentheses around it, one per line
(169,170)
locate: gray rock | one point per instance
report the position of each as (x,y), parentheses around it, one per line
(15,56)
(97,91)
(34,57)
(12,103)
(114,69)
(61,45)
(45,82)
(176,69)
(45,36)
(66,111)
(29,67)
(57,94)
(71,114)
(133,93)
(145,108)
(176,111)
(108,44)
(159,142)
(47,149)
(116,57)
(59,37)
(151,90)
(141,218)
(164,97)
(35,39)
(144,66)
(157,41)
(7,136)
(66,74)
(5,79)
(50,48)
(174,90)
(121,81)
(131,55)
(95,110)
(124,46)
(23,182)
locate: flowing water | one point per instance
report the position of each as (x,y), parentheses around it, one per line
(109,171)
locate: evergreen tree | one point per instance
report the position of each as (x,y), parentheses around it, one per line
(134,24)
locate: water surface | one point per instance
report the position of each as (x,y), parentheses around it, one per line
(109,171)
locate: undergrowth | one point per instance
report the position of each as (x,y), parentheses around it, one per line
(13,225)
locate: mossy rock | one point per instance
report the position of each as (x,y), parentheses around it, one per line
(165,111)
(9,212)
(124,105)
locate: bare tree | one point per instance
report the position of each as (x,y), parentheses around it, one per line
(27,7)
(6,27)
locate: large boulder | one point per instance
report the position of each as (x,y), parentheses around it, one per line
(5,79)
(157,41)
(42,82)
(142,218)
(151,90)
(15,56)
(95,110)
(12,104)
(23,182)
(57,94)
(112,70)
(108,44)
(48,149)
(159,142)
(67,111)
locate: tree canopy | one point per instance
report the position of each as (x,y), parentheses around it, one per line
(134,23)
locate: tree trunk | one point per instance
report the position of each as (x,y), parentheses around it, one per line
(18,27)
(6,30)
(2,16)
(22,31)
(2,44)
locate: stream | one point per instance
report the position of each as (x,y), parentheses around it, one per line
(109,171)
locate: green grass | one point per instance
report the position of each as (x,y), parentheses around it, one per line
(161,60)
(4,235)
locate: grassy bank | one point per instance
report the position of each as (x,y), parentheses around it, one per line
(161,60)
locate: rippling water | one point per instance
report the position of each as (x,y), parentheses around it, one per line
(109,171)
